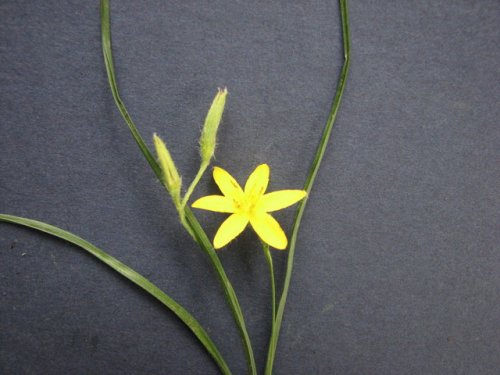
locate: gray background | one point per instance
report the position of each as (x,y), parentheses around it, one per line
(397,266)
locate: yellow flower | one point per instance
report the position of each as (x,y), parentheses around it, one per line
(249,205)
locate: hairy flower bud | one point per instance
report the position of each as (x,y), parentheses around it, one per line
(171,177)
(208,137)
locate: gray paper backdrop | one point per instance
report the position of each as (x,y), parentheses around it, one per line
(398,265)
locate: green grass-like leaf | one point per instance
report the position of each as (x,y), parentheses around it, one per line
(320,151)
(131,275)
(195,227)
(108,62)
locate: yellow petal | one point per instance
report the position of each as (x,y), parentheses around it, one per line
(227,184)
(280,199)
(217,203)
(256,184)
(229,229)
(269,230)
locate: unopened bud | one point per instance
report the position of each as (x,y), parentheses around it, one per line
(208,137)
(171,177)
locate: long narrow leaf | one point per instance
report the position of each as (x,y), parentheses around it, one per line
(195,226)
(320,151)
(131,275)
(108,61)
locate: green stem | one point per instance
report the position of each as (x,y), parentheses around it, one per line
(190,219)
(229,292)
(131,275)
(201,171)
(269,260)
(320,151)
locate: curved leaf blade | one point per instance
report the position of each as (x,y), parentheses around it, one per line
(131,275)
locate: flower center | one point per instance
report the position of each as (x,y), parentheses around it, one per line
(246,205)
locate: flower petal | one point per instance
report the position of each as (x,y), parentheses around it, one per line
(269,230)
(227,184)
(280,199)
(217,203)
(256,184)
(229,229)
